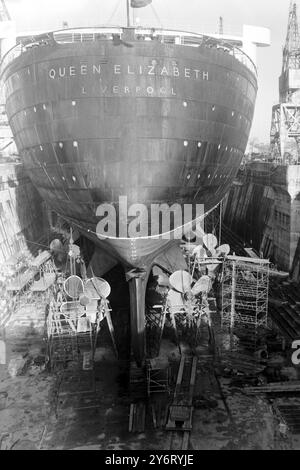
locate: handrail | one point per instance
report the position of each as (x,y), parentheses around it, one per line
(165,36)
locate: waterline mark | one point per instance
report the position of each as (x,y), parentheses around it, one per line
(157,221)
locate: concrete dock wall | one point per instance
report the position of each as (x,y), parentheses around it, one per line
(263,209)
(22,214)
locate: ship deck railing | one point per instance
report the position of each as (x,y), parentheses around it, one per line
(165,36)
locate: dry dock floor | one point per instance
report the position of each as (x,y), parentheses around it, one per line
(76,409)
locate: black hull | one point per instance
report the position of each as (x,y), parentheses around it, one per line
(155,122)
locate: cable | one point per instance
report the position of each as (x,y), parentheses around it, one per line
(114,12)
(42,245)
(36,243)
(156,16)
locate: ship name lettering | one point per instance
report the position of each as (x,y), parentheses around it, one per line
(96,68)
(138,90)
(151,69)
(72,71)
(83,69)
(164,71)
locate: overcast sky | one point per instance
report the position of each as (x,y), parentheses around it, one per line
(191,14)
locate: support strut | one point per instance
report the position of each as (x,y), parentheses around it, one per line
(137,279)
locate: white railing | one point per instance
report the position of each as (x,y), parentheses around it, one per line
(81,35)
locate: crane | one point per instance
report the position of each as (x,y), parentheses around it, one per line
(285,126)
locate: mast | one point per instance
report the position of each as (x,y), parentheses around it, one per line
(128,13)
(221,30)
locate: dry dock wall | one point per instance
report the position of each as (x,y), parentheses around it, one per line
(263,209)
(22,214)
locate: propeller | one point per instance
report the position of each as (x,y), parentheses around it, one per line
(209,249)
(85,295)
(182,282)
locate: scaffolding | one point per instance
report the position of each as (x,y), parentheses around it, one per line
(63,337)
(72,335)
(155,322)
(186,320)
(245,285)
(157,378)
(26,293)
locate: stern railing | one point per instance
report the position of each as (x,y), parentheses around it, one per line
(83,35)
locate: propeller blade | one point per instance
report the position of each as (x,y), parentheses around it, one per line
(56,246)
(175,299)
(223,250)
(199,251)
(212,253)
(212,267)
(73,286)
(163,280)
(210,241)
(181,281)
(202,285)
(97,287)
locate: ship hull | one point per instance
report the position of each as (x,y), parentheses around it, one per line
(153,122)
